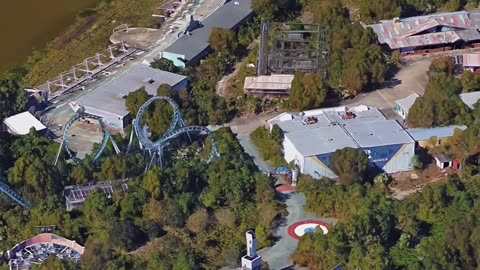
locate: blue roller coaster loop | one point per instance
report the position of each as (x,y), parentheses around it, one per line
(176,122)
(14,196)
(177,128)
(174,134)
(106,136)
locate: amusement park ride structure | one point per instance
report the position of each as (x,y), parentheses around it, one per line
(152,151)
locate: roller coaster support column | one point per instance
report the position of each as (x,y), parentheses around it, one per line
(58,153)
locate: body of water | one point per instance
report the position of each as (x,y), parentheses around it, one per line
(29,24)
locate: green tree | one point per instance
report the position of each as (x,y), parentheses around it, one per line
(350,165)
(421,113)
(184,262)
(441,86)
(198,221)
(135,100)
(308,91)
(165,65)
(12,95)
(223,40)
(470,82)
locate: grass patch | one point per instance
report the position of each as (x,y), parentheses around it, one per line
(88,35)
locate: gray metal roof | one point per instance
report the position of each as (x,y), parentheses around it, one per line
(320,140)
(378,133)
(290,122)
(423,134)
(369,128)
(227,16)
(470,98)
(407,102)
(414,31)
(109,97)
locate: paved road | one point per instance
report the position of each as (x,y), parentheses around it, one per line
(278,256)
(250,149)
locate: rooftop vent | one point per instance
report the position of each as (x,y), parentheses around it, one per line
(349,116)
(310,120)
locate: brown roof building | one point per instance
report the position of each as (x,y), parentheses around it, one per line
(268,85)
(453,29)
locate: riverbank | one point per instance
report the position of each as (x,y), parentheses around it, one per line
(88,35)
(25,26)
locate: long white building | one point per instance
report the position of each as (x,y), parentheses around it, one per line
(311,138)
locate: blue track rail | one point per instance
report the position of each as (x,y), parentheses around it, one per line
(5,189)
(177,128)
(106,136)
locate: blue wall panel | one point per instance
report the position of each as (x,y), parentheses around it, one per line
(380,155)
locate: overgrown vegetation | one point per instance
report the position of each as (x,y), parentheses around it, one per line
(87,36)
(432,229)
(269,143)
(441,105)
(192,209)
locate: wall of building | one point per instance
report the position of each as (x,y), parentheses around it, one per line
(389,158)
(180,86)
(319,166)
(112,120)
(400,112)
(399,161)
(291,154)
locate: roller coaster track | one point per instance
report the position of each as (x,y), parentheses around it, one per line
(177,128)
(14,196)
(106,137)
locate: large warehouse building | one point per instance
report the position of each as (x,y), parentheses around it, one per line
(109,100)
(311,138)
(191,47)
(429,33)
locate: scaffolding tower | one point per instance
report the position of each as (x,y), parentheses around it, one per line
(288,47)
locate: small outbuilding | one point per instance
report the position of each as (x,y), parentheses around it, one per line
(403,105)
(20,124)
(471,61)
(268,85)
(443,161)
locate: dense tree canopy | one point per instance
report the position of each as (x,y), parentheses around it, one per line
(164,64)
(12,95)
(308,91)
(433,229)
(223,40)
(350,165)
(441,106)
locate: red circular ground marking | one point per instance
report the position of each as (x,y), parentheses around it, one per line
(285,188)
(291,229)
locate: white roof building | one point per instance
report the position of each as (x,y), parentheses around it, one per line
(108,101)
(403,105)
(470,98)
(20,124)
(311,137)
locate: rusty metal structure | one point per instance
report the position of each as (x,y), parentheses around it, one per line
(288,47)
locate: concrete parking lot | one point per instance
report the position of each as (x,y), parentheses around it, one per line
(410,79)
